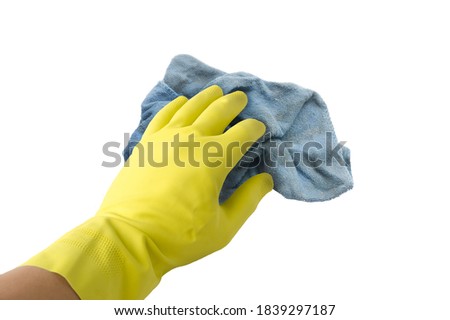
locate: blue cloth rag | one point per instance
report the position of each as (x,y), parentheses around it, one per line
(300,149)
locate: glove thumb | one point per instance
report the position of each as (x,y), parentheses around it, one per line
(246,198)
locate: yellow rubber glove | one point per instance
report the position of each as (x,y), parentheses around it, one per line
(162,211)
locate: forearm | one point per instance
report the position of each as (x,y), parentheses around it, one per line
(33,283)
(104,258)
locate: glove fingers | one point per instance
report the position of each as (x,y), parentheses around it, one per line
(246,198)
(195,106)
(220,113)
(164,115)
(239,138)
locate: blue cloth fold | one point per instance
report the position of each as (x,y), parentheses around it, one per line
(300,149)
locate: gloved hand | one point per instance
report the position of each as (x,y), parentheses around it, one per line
(162,211)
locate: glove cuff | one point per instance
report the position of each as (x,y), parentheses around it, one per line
(104,258)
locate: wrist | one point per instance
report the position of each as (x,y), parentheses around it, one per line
(104,258)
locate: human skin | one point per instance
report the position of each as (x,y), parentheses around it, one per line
(33,283)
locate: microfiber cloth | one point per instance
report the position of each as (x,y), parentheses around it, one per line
(300,149)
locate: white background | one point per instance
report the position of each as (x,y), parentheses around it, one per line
(72,77)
